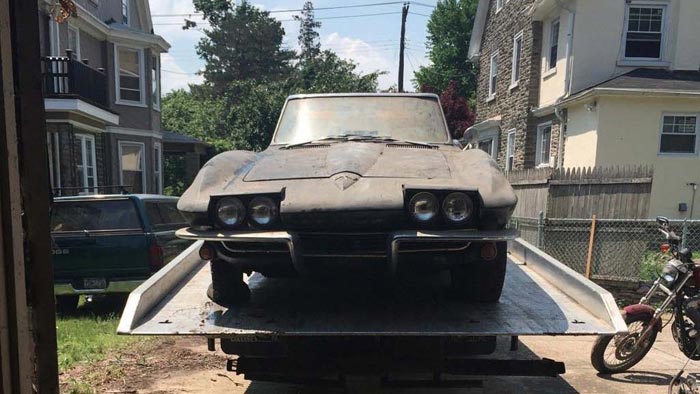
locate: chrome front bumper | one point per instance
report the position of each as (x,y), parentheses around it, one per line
(395,239)
(113,287)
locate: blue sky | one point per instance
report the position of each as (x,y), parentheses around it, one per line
(370,41)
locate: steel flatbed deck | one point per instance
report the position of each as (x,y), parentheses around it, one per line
(541,297)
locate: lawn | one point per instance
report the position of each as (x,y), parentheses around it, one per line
(91,333)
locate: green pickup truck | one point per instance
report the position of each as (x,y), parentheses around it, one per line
(109,244)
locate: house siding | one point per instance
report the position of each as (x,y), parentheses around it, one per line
(512,105)
(92,50)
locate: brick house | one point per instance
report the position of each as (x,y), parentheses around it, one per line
(618,78)
(101,80)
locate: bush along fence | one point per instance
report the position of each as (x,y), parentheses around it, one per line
(615,250)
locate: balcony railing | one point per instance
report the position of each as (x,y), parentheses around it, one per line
(65,77)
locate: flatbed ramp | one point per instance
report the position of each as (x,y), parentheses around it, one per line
(541,297)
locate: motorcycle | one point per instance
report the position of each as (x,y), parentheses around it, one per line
(680,282)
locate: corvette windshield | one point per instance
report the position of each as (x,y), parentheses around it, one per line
(416,119)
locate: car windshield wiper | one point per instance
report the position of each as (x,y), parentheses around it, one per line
(383,138)
(317,141)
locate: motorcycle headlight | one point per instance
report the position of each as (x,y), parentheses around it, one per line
(669,273)
(263,211)
(457,207)
(230,211)
(668,279)
(423,207)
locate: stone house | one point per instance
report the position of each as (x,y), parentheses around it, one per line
(102,88)
(572,83)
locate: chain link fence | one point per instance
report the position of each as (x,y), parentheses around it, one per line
(619,248)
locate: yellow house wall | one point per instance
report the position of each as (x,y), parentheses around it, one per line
(581,137)
(552,84)
(628,133)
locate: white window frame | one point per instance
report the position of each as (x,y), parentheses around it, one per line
(510,150)
(538,145)
(515,63)
(645,4)
(490,134)
(158,169)
(493,72)
(499,5)
(77,41)
(155,72)
(549,70)
(142,145)
(54,38)
(125,12)
(142,80)
(83,152)
(52,141)
(697,133)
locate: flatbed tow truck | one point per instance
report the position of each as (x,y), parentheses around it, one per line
(408,335)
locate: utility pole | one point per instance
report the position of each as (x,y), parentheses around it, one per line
(404,14)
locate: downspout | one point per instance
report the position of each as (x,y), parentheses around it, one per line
(567,82)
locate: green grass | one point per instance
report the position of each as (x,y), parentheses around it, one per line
(90,334)
(653,263)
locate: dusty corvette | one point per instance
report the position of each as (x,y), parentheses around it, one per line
(353,180)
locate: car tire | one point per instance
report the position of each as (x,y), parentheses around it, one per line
(67,304)
(480,280)
(227,287)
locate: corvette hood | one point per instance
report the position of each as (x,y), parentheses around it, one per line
(372,160)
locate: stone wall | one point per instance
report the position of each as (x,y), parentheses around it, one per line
(511,104)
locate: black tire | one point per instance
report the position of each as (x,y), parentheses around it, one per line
(479,280)
(227,286)
(598,352)
(67,304)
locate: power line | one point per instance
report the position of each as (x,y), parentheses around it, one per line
(177,72)
(415,13)
(292,20)
(315,9)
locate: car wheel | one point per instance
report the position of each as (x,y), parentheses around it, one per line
(480,280)
(67,304)
(227,286)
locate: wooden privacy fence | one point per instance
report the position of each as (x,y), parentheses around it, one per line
(607,192)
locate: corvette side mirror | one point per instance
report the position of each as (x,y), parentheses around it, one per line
(457,143)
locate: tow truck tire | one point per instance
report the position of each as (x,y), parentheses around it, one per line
(67,304)
(480,280)
(227,287)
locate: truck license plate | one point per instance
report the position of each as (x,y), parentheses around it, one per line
(94,283)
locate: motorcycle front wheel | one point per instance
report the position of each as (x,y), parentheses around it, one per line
(618,353)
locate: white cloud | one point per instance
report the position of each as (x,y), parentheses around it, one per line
(175,77)
(369,58)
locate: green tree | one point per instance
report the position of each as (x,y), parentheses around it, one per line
(242,43)
(308,33)
(449,32)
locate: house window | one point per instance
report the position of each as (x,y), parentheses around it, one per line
(158,167)
(155,82)
(679,134)
(510,150)
(74,41)
(499,5)
(129,80)
(553,44)
(517,51)
(544,142)
(54,159)
(488,142)
(493,76)
(644,32)
(131,166)
(87,172)
(125,12)
(487,145)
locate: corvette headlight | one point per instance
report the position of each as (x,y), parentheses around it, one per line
(263,211)
(230,211)
(423,207)
(457,207)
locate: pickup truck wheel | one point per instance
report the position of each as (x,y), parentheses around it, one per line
(480,280)
(227,286)
(67,304)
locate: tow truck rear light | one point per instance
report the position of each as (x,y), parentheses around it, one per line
(207,252)
(489,251)
(155,257)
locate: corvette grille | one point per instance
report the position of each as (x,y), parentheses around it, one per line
(346,245)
